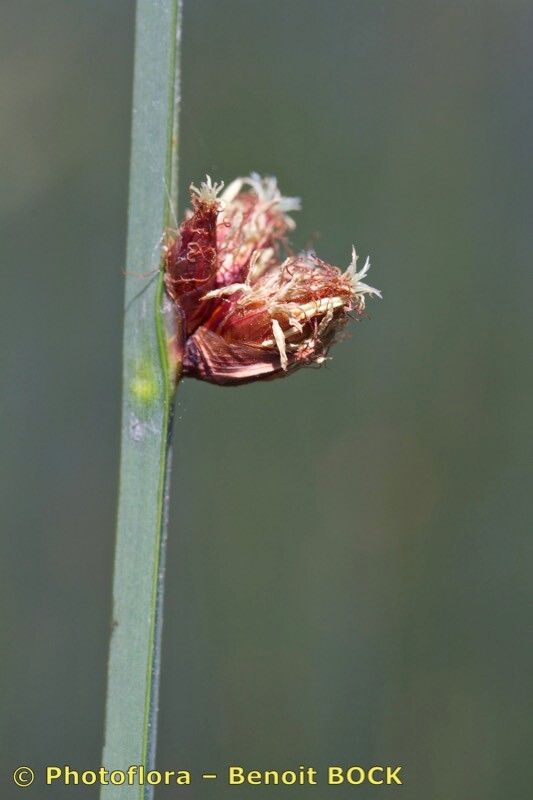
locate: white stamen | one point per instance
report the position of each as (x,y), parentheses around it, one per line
(315,307)
(295,324)
(280,342)
(325,322)
(226,290)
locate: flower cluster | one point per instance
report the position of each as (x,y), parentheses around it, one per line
(250,313)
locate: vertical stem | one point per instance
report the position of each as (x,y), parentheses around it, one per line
(148,390)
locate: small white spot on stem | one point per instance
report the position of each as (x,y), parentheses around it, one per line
(139,430)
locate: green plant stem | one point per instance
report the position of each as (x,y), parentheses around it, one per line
(148,390)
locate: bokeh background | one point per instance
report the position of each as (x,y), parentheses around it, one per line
(349,564)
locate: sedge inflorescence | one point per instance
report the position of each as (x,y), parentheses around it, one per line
(251,310)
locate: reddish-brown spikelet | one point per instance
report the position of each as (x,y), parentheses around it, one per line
(249,315)
(252,222)
(191,257)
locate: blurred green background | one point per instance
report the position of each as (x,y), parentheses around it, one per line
(349,562)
